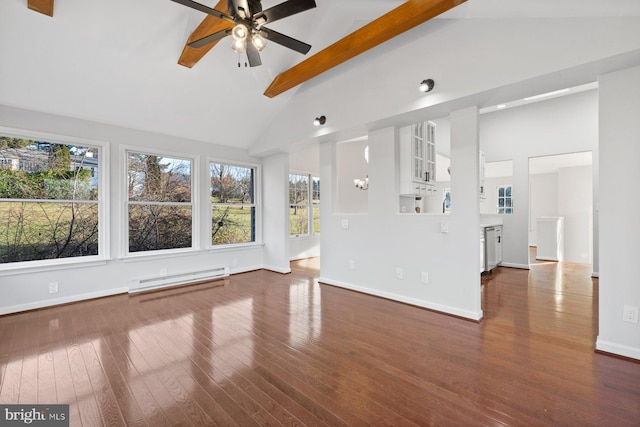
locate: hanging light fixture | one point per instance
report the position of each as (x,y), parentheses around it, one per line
(240,33)
(258,41)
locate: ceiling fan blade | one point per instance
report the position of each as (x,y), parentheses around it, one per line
(287,8)
(253,55)
(209,39)
(202,8)
(285,41)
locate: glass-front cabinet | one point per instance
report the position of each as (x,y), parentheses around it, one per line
(417,159)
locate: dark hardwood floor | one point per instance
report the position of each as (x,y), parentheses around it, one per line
(262,348)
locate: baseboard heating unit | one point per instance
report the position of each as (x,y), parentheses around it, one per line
(150,283)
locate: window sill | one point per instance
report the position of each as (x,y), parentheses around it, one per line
(50,265)
(234,247)
(150,255)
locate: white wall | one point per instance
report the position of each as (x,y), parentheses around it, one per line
(382,239)
(543,200)
(276,229)
(575,204)
(29,289)
(568,124)
(351,164)
(619,207)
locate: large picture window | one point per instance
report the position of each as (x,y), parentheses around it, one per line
(233,204)
(49,199)
(159,203)
(304,205)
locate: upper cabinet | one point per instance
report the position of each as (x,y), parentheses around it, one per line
(417,151)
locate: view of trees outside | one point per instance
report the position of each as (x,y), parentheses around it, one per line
(159,202)
(48,200)
(298,204)
(315,188)
(233,212)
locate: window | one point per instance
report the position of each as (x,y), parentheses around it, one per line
(233,204)
(505,201)
(304,217)
(315,183)
(159,203)
(49,202)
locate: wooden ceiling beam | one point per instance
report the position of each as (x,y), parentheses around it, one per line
(209,25)
(42,6)
(401,19)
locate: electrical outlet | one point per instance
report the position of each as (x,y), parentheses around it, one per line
(345,223)
(630,314)
(163,272)
(399,273)
(424,277)
(53,287)
(444,227)
(352,264)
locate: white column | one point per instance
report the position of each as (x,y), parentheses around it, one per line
(619,206)
(275,209)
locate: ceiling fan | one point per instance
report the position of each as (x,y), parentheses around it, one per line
(249,33)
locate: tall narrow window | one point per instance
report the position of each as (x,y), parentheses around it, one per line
(505,201)
(298,204)
(50,200)
(315,182)
(304,205)
(233,204)
(159,203)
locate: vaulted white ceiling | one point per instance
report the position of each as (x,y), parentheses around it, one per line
(115,62)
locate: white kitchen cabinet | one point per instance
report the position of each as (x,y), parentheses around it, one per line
(492,247)
(417,152)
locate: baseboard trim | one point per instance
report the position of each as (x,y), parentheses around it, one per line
(61,301)
(443,309)
(617,349)
(514,265)
(277,269)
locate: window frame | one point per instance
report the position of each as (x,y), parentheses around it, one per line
(505,186)
(314,205)
(102,201)
(311,206)
(195,210)
(257,204)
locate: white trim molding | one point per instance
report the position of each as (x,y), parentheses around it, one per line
(471,315)
(619,349)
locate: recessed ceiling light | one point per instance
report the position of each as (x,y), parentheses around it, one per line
(544,95)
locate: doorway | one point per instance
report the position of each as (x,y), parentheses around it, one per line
(561,208)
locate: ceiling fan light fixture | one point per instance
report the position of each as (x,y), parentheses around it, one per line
(427,85)
(240,32)
(239,45)
(258,41)
(320,120)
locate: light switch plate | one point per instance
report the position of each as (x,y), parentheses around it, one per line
(444,227)
(345,223)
